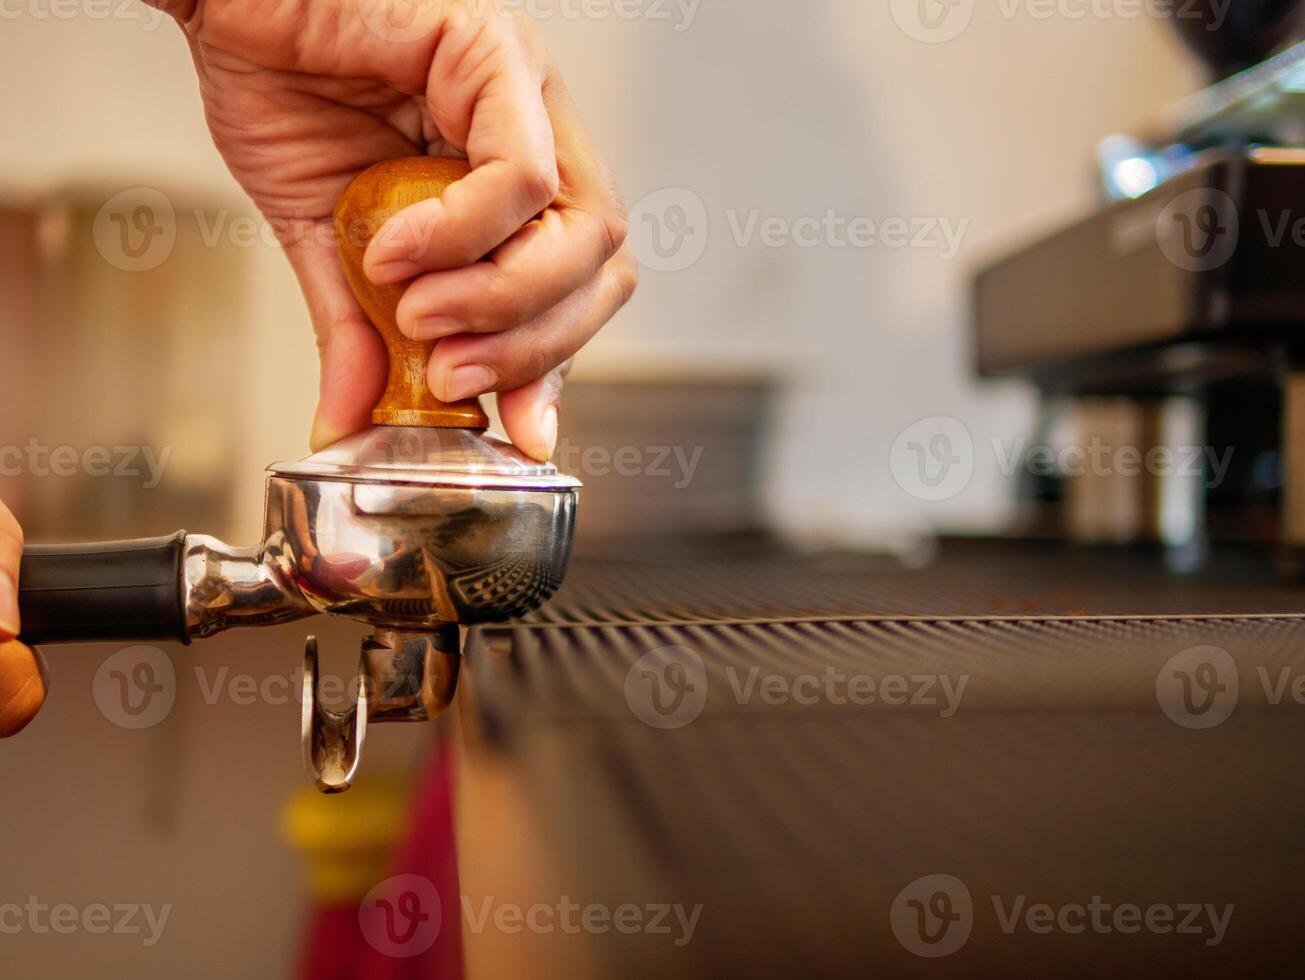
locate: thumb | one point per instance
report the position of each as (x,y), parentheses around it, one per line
(529,415)
(354,369)
(353,359)
(22,686)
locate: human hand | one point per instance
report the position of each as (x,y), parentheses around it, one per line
(22,674)
(514,269)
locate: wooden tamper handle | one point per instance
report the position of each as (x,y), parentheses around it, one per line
(375,196)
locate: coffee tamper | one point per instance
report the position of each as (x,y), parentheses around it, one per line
(416,526)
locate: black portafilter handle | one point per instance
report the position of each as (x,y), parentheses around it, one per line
(130,591)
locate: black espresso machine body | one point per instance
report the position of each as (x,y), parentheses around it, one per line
(1174,315)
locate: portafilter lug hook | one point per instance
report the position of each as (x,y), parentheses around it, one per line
(401,677)
(410,676)
(333,740)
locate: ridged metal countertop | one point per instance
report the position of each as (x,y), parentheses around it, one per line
(1027,735)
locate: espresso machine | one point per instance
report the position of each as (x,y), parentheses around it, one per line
(1169,321)
(417,526)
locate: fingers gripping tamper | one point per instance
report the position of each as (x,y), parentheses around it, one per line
(417,526)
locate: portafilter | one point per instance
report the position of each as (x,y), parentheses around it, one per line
(416,526)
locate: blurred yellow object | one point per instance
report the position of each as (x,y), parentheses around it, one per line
(347,838)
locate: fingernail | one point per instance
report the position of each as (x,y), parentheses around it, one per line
(9,622)
(396,270)
(548,432)
(434,327)
(43,669)
(323,436)
(468,381)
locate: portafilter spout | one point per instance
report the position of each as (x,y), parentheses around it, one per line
(417,526)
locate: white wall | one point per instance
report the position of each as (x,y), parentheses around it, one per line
(789,108)
(794,109)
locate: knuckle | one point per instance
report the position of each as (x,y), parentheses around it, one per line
(535,362)
(11,556)
(465,253)
(625,270)
(501,300)
(9,526)
(616,227)
(539,182)
(412,306)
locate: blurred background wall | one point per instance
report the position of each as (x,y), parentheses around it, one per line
(744,109)
(752,106)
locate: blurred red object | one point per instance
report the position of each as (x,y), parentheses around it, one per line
(337,945)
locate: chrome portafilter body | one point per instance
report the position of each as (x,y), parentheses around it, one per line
(415,532)
(414,549)
(399,528)
(410,558)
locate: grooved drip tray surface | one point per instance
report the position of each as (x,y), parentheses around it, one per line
(802,745)
(754,580)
